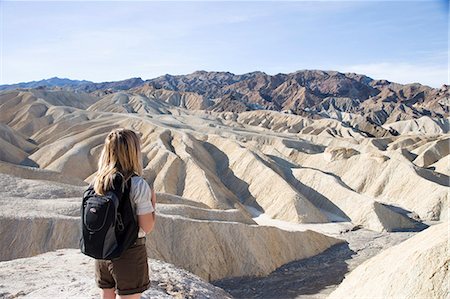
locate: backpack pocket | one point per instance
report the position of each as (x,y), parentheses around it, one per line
(96,213)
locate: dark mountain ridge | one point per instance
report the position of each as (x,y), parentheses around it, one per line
(51,82)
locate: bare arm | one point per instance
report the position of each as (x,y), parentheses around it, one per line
(147,221)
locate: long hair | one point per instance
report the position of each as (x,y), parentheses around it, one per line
(121,154)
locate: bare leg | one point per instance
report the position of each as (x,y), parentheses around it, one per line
(134,296)
(108,293)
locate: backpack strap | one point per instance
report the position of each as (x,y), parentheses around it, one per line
(123,184)
(128,180)
(128,185)
(118,182)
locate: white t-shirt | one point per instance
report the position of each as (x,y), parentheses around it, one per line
(141,198)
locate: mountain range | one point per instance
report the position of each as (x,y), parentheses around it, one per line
(311,93)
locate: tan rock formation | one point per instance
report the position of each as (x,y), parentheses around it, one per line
(42,216)
(423,125)
(416,268)
(442,165)
(257,158)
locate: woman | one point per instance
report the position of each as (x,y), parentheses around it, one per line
(128,275)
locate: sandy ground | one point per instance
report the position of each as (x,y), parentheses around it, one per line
(66,273)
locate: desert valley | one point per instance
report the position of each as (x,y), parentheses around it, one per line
(310,184)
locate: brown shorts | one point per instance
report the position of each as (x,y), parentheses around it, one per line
(127,274)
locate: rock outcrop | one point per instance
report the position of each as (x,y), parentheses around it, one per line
(424,125)
(416,268)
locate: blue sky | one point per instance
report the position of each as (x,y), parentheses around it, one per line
(403,41)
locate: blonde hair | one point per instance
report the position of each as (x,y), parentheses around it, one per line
(121,154)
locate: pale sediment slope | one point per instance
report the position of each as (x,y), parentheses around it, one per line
(255,181)
(186,166)
(15,138)
(123,102)
(78,99)
(68,273)
(34,173)
(442,165)
(11,153)
(215,249)
(211,169)
(258,158)
(295,124)
(21,189)
(359,122)
(416,268)
(149,100)
(71,154)
(42,216)
(220,172)
(333,196)
(432,152)
(29,111)
(188,100)
(423,125)
(392,179)
(14,146)
(410,142)
(212,249)
(187,211)
(27,236)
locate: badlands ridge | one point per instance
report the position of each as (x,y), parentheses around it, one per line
(218,172)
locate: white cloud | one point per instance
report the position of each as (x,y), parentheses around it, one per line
(432,75)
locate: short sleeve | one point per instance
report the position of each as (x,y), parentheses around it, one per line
(141,194)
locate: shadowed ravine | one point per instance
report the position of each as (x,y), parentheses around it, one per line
(318,276)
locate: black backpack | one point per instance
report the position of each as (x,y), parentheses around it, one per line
(108,223)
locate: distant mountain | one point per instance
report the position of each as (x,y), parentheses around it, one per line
(108,87)
(311,93)
(86,86)
(316,93)
(52,82)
